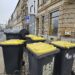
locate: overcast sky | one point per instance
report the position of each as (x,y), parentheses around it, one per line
(6,9)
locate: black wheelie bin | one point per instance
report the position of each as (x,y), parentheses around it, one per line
(41,58)
(16,34)
(12,53)
(64,60)
(33,38)
(23,33)
(12,34)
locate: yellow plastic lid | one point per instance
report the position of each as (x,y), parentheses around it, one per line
(41,48)
(35,38)
(13,42)
(64,44)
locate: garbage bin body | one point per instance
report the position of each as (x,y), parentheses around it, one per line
(29,40)
(16,34)
(23,33)
(33,39)
(12,58)
(64,60)
(41,64)
(13,55)
(13,36)
(73,68)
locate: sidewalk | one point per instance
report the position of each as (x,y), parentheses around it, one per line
(1,56)
(1,62)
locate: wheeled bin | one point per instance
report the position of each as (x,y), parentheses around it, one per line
(73,67)
(16,34)
(64,60)
(10,34)
(23,33)
(13,52)
(33,38)
(41,58)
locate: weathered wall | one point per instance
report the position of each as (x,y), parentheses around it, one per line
(67,19)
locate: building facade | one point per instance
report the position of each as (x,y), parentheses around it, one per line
(56,18)
(17,20)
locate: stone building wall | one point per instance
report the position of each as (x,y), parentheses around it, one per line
(67,19)
(17,19)
(46,24)
(45,10)
(40,26)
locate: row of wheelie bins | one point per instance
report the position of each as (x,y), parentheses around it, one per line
(55,58)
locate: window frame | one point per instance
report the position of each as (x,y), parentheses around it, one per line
(51,26)
(43,21)
(42,2)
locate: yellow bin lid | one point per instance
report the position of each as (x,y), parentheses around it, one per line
(64,44)
(35,38)
(12,42)
(41,48)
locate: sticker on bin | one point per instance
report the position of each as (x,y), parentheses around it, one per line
(41,48)
(48,68)
(12,42)
(64,44)
(34,37)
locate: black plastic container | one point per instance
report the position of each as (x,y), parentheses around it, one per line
(42,64)
(72,73)
(12,36)
(73,67)
(23,33)
(64,61)
(13,57)
(29,40)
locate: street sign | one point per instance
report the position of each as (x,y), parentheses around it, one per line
(27,18)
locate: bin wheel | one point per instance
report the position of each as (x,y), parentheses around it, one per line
(72,73)
(23,63)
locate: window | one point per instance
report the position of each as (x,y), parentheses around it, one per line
(39,2)
(37,28)
(44,1)
(54,22)
(43,20)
